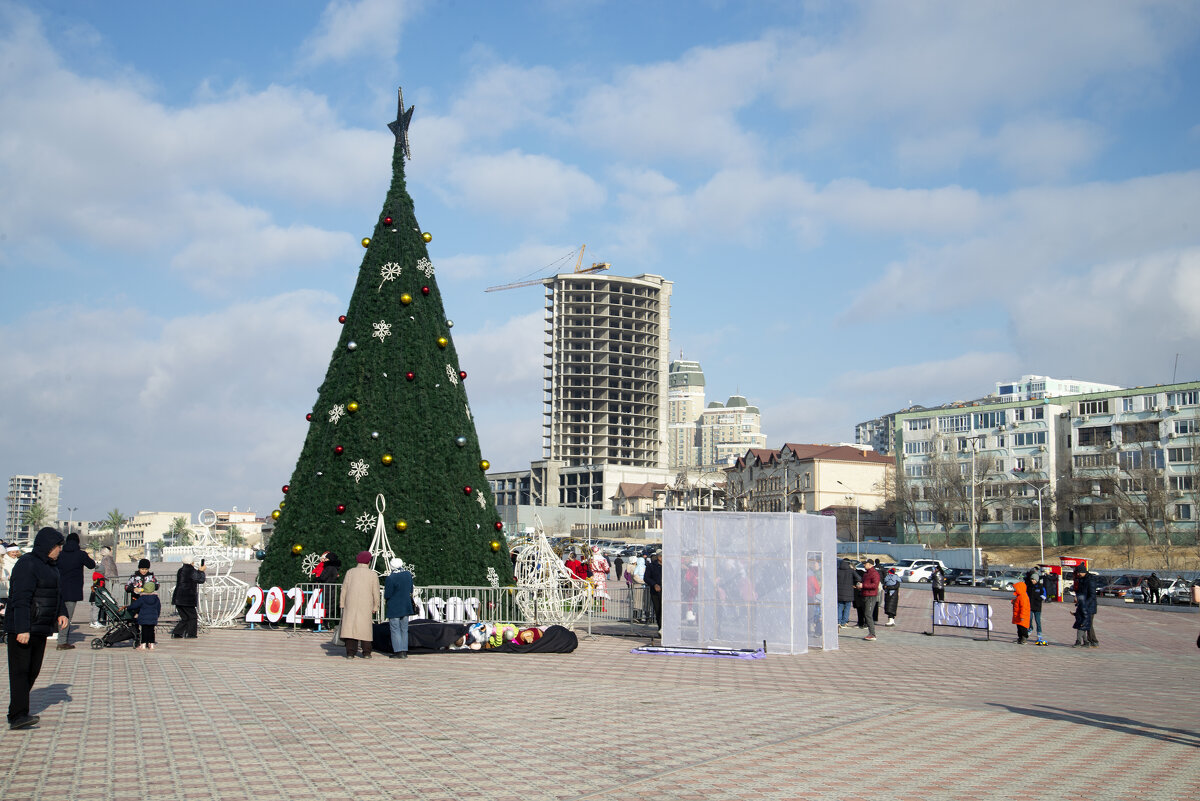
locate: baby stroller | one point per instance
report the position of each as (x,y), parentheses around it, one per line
(121,624)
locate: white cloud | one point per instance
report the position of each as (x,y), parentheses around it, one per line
(349,30)
(198,409)
(532,187)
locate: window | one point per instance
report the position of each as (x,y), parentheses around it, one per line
(925,516)
(1019,465)
(1094,407)
(917,470)
(1190,398)
(921,446)
(1037,413)
(989,419)
(919,424)
(1139,432)
(1179,454)
(1188,426)
(1024,438)
(1149,403)
(1094,460)
(1127,405)
(1183,511)
(1095,436)
(1182,483)
(1150,458)
(1022,514)
(954,424)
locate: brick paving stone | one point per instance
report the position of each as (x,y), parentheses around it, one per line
(269,714)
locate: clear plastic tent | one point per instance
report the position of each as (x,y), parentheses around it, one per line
(739,579)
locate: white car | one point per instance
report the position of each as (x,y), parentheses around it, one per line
(919,574)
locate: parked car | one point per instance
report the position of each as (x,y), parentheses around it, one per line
(1175,591)
(1004,580)
(961,576)
(1119,588)
(918,570)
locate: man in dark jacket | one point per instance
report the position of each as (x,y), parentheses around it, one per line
(870,593)
(1085,608)
(186,597)
(71,563)
(398,606)
(846,579)
(654,578)
(35,611)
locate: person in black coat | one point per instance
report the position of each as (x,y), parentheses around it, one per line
(846,579)
(186,597)
(1035,588)
(70,564)
(654,578)
(1085,608)
(35,611)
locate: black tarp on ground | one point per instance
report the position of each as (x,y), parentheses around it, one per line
(427,637)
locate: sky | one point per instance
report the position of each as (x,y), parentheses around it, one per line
(862,205)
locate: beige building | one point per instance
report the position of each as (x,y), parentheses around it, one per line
(23,493)
(726,431)
(685,402)
(147,527)
(808,478)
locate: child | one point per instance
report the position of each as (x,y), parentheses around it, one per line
(148,606)
(1020,604)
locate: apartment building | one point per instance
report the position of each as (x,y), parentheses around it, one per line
(727,430)
(23,493)
(1107,467)
(808,478)
(685,402)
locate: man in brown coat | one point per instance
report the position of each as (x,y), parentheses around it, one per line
(360,603)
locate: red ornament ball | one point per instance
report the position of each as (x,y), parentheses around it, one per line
(466,490)
(387,220)
(342,319)
(410,376)
(424,290)
(286,487)
(308,417)
(341,507)
(462,374)
(338,450)
(499,525)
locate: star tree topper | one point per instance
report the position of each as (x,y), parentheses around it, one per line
(399,128)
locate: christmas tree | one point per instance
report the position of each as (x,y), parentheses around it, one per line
(392,419)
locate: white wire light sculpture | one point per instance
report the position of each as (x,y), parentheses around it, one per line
(548,593)
(222,597)
(381,550)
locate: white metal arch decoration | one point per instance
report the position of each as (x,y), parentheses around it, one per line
(547,592)
(222,596)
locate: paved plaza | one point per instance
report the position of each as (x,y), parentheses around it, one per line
(272,714)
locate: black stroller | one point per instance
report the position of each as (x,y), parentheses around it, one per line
(121,624)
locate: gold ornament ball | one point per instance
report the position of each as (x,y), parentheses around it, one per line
(484,464)
(282,504)
(401,525)
(387,458)
(406,298)
(428,237)
(495,545)
(352,406)
(297,548)
(275,514)
(366,242)
(443,342)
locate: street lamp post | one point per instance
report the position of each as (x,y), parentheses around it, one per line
(853,498)
(71,516)
(1041,527)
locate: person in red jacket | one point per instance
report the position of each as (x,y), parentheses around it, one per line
(1020,604)
(870,592)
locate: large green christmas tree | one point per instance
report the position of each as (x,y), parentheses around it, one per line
(392,418)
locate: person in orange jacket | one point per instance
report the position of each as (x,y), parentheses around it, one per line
(1020,603)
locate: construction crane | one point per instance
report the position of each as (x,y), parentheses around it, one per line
(596,267)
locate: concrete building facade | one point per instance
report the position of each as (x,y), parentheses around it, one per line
(808,478)
(1102,467)
(685,402)
(727,430)
(23,493)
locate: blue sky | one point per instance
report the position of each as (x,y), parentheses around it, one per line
(861,205)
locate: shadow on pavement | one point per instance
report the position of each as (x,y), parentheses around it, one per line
(41,698)
(1110,722)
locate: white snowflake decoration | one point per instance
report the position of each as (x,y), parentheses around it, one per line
(337,413)
(389,272)
(452,374)
(309,565)
(546,591)
(493,578)
(358,470)
(425,266)
(481,499)
(366,522)
(383,330)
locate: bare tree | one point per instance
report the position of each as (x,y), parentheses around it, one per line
(1140,494)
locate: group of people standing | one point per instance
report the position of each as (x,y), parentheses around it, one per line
(860,589)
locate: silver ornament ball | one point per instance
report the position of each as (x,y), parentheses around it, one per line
(460,441)
(352,345)
(449,323)
(374,435)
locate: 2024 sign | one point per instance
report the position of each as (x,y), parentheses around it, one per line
(272,605)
